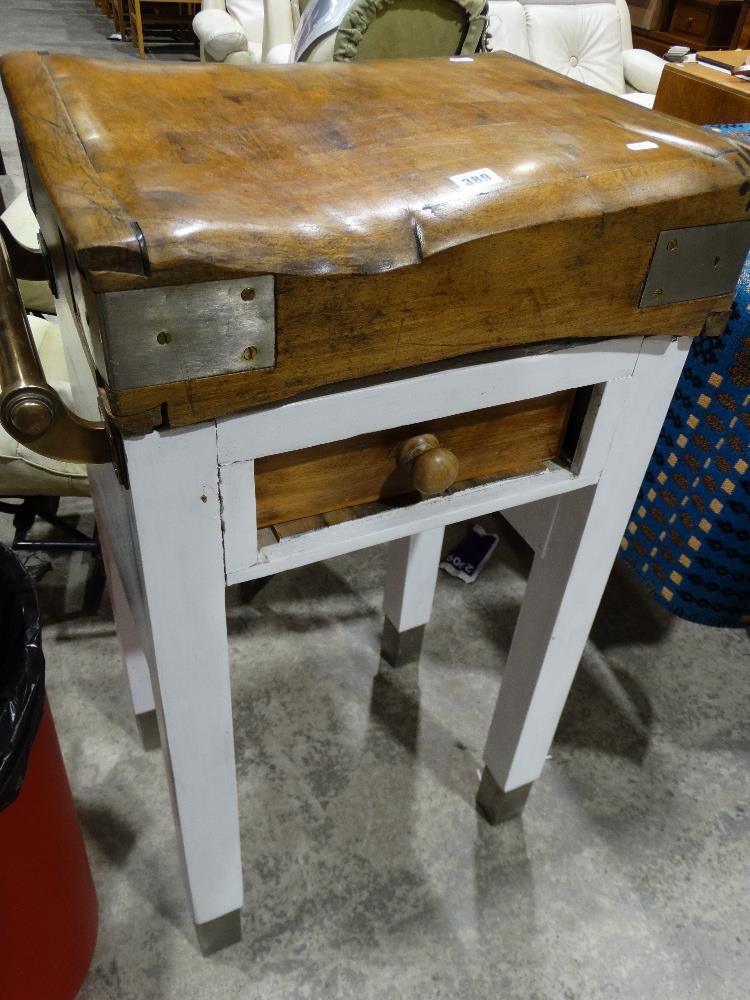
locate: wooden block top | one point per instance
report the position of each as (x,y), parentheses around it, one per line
(164,174)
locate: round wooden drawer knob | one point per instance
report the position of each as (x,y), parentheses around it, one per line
(433,469)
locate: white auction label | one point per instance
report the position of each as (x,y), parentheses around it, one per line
(647,144)
(476,181)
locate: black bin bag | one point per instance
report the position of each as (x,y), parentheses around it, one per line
(21,674)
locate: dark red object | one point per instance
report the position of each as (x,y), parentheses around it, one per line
(48,907)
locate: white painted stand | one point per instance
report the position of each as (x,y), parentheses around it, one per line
(186,528)
(168,544)
(133,655)
(411,569)
(568,576)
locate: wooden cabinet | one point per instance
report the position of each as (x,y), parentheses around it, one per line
(699,24)
(694,20)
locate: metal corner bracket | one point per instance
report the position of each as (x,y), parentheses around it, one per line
(699,262)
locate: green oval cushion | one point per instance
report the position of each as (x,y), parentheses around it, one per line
(411,28)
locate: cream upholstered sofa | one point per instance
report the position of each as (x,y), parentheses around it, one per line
(23,472)
(20,220)
(588,40)
(246,32)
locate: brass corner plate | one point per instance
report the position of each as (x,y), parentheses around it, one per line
(700,262)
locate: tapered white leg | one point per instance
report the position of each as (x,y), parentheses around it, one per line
(134,658)
(131,622)
(410,577)
(177,536)
(567,580)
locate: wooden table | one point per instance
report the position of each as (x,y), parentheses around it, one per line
(479,305)
(703,94)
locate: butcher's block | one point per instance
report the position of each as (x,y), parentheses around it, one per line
(228,237)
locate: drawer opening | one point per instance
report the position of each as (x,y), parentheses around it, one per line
(330,483)
(572,440)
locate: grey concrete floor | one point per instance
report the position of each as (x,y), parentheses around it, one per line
(368,872)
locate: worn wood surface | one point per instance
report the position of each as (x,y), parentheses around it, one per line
(500,441)
(703,95)
(337,179)
(330,168)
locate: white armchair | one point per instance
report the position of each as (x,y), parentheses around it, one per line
(241,31)
(588,40)
(246,32)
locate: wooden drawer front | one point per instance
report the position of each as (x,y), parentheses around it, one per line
(501,441)
(691,19)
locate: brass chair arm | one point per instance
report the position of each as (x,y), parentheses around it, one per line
(31,411)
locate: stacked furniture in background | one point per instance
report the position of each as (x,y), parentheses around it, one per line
(130,18)
(166,14)
(705,94)
(587,41)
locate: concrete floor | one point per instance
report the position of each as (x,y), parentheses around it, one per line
(368,873)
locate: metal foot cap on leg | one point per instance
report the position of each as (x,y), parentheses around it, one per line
(496,805)
(219,933)
(148,729)
(401,648)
